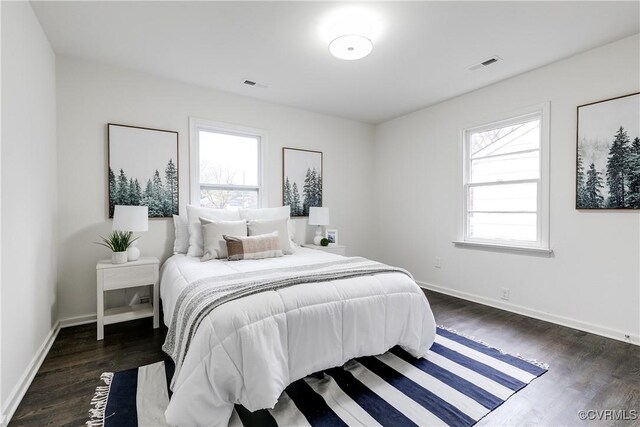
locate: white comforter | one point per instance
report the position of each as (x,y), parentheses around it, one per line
(248,350)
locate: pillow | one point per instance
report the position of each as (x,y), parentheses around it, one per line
(264,226)
(270,213)
(181,243)
(253,247)
(194,213)
(265,213)
(213,231)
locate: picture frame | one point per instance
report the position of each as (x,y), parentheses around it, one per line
(301,180)
(608,154)
(332,236)
(142,169)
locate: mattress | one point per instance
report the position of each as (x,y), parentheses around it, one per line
(248,350)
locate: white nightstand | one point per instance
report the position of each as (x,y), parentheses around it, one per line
(334,249)
(142,272)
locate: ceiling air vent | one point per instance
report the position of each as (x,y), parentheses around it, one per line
(254,84)
(485,63)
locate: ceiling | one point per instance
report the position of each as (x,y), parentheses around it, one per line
(422,50)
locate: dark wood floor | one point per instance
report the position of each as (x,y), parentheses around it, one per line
(587,372)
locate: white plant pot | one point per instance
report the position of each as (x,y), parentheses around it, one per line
(118,257)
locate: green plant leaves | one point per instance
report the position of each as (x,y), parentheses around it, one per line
(118,241)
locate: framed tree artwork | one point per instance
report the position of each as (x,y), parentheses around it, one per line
(608,154)
(301,180)
(143,169)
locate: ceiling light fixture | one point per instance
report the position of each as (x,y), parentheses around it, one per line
(350,47)
(350,32)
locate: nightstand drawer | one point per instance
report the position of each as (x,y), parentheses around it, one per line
(123,277)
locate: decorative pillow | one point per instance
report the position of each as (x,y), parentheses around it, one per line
(213,231)
(271,213)
(181,243)
(264,226)
(194,213)
(253,247)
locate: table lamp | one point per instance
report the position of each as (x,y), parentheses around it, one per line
(134,219)
(318,216)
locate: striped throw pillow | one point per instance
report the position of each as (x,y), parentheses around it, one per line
(253,247)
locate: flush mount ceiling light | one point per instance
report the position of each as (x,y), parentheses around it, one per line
(350,32)
(350,47)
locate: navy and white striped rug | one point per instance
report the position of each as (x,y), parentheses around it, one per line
(456,384)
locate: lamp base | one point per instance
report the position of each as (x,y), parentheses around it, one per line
(318,237)
(133,253)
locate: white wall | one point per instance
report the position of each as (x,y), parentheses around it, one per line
(593,280)
(29,196)
(90,95)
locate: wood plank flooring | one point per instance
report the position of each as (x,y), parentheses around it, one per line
(587,372)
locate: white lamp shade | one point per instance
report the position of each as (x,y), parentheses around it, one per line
(318,216)
(131,218)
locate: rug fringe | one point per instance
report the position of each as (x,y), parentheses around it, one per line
(99,401)
(535,362)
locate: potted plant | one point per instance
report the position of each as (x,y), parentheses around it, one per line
(118,242)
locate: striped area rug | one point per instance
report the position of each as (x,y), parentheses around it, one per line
(459,382)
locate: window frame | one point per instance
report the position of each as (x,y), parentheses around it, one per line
(542,243)
(195,126)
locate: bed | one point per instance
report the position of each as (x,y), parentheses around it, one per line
(248,350)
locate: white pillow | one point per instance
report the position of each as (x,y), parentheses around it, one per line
(265,226)
(271,213)
(194,213)
(266,213)
(181,243)
(213,231)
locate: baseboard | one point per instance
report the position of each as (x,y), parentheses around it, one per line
(77,320)
(21,388)
(536,314)
(25,380)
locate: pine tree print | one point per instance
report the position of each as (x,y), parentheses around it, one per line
(147,195)
(122,190)
(593,197)
(138,192)
(157,199)
(286,199)
(312,191)
(580,184)
(296,207)
(617,169)
(318,190)
(633,172)
(133,195)
(112,192)
(171,187)
(160,197)
(307,193)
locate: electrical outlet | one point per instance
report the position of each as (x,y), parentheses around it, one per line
(438,263)
(144,300)
(505,294)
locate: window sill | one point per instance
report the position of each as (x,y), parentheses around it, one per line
(505,248)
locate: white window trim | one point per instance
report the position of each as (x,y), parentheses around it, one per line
(196,124)
(542,245)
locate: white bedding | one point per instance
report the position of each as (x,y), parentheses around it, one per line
(248,350)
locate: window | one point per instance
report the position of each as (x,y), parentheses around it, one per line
(506,182)
(226,165)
